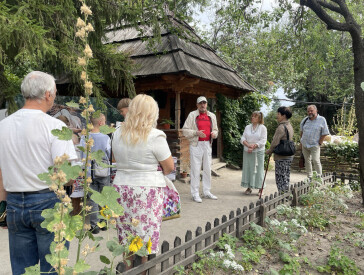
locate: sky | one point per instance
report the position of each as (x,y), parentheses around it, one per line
(207,16)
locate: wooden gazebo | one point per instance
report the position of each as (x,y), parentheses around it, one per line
(175,73)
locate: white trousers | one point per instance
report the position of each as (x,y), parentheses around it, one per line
(200,155)
(312,158)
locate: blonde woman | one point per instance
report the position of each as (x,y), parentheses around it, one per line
(138,148)
(254,139)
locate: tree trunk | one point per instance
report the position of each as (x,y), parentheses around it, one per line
(358,49)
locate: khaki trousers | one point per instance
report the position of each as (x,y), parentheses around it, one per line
(312,158)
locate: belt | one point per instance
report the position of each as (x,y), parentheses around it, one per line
(32,192)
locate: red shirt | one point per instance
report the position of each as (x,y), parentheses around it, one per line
(204,124)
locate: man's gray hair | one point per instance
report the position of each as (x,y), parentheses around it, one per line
(36,83)
(313,106)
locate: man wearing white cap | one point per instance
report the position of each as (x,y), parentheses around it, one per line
(200,128)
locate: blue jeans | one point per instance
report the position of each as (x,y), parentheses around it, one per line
(97,185)
(28,241)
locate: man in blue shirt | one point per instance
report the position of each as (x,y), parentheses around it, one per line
(313,132)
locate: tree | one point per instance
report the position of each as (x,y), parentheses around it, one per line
(287,48)
(329,12)
(39,35)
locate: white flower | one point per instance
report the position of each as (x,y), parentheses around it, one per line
(226,263)
(220,254)
(275,222)
(230,255)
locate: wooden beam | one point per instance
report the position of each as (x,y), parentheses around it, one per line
(177,108)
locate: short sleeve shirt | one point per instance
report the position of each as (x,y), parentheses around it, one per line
(312,130)
(28,148)
(137,165)
(101,142)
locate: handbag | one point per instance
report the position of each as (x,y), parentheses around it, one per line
(171,201)
(100,171)
(3,213)
(285,147)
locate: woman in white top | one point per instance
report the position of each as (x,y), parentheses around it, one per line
(254,139)
(138,148)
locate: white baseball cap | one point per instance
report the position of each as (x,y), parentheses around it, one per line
(200,99)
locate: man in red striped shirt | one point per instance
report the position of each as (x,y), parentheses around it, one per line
(200,128)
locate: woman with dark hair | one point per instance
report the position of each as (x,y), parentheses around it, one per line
(284,131)
(254,139)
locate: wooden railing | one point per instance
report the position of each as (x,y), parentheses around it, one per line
(237,222)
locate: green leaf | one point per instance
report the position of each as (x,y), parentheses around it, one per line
(82,148)
(257,228)
(111,245)
(104,259)
(106,129)
(64,134)
(119,250)
(81,266)
(45,177)
(108,197)
(32,270)
(73,104)
(284,245)
(74,224)
(72,172)
(98,157)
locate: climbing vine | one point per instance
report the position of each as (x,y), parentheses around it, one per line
(235,115)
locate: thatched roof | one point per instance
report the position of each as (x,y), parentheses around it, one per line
(175,55)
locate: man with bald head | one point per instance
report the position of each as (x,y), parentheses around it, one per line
(27,149)
(313,132)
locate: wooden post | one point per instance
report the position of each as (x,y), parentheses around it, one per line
(165,248)
(295,197)
(223,220)
(216,235)
(208,239)
(239,223)
(177,109)
(153,269)
(177,257)
(263,214)
(231,216)
(188,237)
(198,246)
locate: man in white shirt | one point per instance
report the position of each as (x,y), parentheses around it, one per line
(28,148)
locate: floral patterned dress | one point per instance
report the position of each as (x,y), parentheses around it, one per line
(144,204)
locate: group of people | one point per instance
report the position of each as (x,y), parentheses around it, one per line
(137,148)
(313,132)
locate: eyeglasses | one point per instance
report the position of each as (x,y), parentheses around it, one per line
(202,102)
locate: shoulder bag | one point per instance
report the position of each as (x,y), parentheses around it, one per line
(285,147)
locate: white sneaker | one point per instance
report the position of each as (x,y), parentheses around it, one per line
(196,198)
(210,196)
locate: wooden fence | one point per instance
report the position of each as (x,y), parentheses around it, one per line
(235,224)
